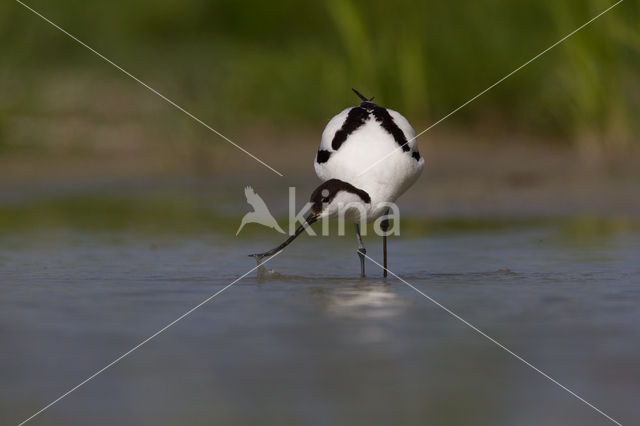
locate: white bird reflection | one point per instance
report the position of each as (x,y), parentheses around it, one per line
(368,308)
(363,301)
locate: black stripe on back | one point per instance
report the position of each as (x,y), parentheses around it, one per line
(416,155)
(355,119)
(386,121)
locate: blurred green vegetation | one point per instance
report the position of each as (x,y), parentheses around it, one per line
(289,62)
(190,215)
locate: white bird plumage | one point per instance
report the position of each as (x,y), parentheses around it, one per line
(349,162)
(387,180)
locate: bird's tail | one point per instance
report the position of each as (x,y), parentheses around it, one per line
(277,227)
(362,97)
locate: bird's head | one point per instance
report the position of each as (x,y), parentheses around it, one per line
(334,196)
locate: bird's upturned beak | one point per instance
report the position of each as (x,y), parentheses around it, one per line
(311,218)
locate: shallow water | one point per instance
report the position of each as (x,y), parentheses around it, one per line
(310,342)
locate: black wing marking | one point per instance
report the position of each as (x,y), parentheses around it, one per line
(386,121)
(323,156)
(355,119)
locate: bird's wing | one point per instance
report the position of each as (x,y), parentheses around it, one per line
(251,196)
(249,192)
(403,124)
(332,127)
(255,200)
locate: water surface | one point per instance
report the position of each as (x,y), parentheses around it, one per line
(312,343)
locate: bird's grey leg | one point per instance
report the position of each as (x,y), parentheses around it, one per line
(361,250)
(384,226)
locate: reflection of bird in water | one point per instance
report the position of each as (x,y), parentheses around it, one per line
(260,213)
(371,302)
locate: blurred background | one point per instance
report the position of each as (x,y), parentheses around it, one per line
(558,137)
(118,213)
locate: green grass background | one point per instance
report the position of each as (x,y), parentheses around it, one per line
(291,62)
